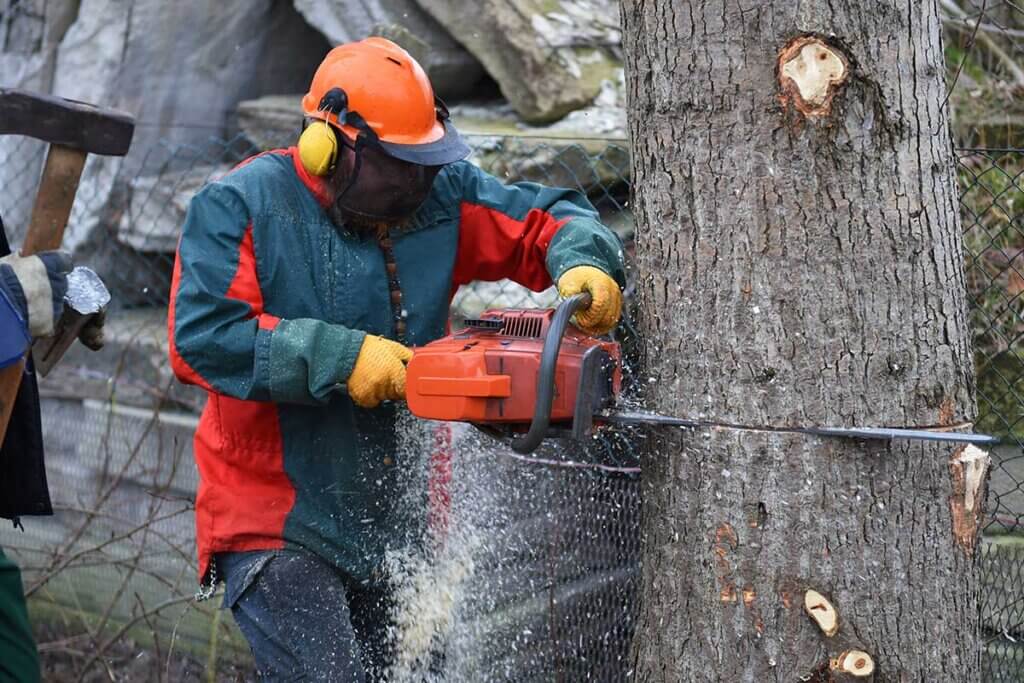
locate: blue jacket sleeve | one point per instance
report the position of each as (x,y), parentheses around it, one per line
(14,338)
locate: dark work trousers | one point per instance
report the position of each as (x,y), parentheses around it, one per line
(305,620)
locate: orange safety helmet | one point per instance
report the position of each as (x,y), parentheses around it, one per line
(385,89)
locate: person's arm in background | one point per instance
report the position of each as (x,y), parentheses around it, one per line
(536,235)
(31,299)
(221,338)
(33,288)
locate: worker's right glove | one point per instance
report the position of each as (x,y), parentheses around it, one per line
(605,308)
(37,284)
(379,372)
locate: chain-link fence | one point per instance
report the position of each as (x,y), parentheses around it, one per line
(552,548)
(992,202)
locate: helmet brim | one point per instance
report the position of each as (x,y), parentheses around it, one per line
(446,150)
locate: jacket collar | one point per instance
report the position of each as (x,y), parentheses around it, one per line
(316,185)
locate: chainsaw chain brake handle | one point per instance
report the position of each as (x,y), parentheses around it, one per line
(527,443)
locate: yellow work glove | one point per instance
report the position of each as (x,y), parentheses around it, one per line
(379,372)
(606,306)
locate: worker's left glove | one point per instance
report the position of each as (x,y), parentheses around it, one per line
(606,298)
(37,285)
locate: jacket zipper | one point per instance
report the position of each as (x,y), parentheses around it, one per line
(394,288)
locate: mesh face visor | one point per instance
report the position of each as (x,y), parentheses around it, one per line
(382,187)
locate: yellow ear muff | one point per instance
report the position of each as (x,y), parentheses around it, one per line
(318,149)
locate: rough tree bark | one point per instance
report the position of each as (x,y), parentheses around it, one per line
(800,263)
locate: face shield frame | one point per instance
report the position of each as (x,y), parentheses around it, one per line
(398,177)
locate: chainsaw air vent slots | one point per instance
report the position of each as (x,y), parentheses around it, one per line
(526,324)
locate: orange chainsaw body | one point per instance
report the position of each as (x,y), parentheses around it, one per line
(487,373)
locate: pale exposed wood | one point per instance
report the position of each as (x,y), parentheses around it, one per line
(822,611)
(968,469)
(810,74)
(854,662)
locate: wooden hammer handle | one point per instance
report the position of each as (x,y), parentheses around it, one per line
(10,380)
(52,209)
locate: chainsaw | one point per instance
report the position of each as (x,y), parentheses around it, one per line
(529,374)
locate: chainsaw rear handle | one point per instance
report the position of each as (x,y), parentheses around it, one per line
(528,442)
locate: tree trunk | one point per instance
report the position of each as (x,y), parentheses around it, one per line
(800,263)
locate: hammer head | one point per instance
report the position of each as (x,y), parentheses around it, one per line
(65,122)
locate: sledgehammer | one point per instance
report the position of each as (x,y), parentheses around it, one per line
(74,130)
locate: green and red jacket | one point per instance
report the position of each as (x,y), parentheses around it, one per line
(270,303)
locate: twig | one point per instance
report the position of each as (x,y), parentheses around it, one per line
(126,627)
(967,49)
(960,23)
(156,638)
(62,644)
(125,581)
(105,495)
(1010,3)
(174,637)
(186,556)
(989,28)
(172,499)
(63,564)
(211,659)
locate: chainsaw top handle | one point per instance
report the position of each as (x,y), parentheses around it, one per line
(528,442)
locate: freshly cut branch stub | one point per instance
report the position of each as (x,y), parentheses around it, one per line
(810,73)
(854,662)
(822,611)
